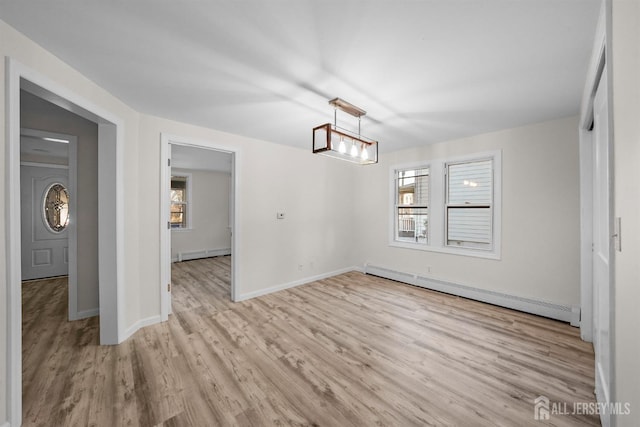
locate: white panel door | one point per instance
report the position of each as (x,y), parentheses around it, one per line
(45,251)
(601,247)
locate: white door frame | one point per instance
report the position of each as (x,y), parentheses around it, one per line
(110,200)
(165,230)
(73,200)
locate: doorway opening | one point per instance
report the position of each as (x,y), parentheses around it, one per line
(110,228)
(199,212)
(59,148)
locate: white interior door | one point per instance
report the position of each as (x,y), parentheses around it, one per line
(45,244)
(601,247)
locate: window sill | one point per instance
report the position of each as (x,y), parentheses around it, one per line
(475,253)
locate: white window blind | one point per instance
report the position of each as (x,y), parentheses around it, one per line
(469,204)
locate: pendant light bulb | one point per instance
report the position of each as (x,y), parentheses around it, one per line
(354,150)
(364,155)
(342,148)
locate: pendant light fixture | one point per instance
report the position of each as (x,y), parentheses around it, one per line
(332,141)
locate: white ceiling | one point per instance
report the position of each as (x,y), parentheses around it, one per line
(425,71)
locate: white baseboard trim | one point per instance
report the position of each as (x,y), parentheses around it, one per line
(85,314)
(203,253)
(249,295)
(565,313)
(141,324)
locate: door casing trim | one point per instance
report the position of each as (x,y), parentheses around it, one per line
(165,237)
(111,232)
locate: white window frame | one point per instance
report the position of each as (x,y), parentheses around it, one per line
(188,204)
(437,239)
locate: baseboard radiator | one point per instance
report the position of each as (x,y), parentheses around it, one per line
(570,314)
(202,253)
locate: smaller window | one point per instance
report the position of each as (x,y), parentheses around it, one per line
(179,202)
(55,208)
(412,205)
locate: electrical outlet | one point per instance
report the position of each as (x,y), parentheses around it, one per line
(300,267)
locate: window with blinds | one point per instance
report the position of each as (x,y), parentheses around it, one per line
(178,197)
(412,205)
(469,204)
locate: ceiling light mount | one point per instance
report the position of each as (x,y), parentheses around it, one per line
(347,107)
(332,141)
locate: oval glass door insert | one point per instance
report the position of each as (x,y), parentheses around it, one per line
(55,208)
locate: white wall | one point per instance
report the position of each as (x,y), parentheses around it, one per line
(209,206)
(625,42)
(36,113)
(540,215)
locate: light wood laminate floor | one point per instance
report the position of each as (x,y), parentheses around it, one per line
(348,350)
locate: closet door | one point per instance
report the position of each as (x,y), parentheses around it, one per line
(601,247)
